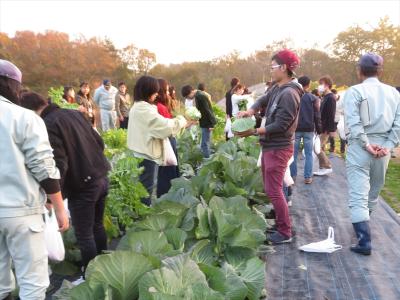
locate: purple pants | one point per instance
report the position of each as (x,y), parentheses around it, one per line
(273,166)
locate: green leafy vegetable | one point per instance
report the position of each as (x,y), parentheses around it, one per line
(178,278)
(243,124)
(193,113)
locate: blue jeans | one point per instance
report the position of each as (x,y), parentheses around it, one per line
(308,148)
(205,142)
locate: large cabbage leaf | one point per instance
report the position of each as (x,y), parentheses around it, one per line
(237,225)
(243,124)
(121,271)
(178,278)
(149,243)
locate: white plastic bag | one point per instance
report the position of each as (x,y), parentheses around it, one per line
(316,144)
(287,179)
(228,128)
(259,159)
(169,157)
(340,128)
(53,238)
(228,125)
(263,121)
(325,246)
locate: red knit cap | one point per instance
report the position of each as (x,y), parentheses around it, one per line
(289,58)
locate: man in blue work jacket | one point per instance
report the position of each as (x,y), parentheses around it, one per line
(372,116)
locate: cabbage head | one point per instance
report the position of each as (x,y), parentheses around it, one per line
(243,124)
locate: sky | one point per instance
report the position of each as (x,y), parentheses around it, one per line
(179,31)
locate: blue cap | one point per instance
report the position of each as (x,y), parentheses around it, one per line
(370,60)
(106,81)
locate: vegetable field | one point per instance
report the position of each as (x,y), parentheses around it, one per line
(201,240)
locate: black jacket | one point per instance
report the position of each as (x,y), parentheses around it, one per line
(309,115)
(78,149)
(203,104)
(328,111)
(282,109)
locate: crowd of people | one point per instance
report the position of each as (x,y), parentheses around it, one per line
(291,115)
(50,154)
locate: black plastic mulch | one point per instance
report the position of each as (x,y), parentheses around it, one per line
(292,274)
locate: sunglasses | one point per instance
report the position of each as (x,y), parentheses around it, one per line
(275,67)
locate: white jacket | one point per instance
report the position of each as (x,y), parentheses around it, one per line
(26,158)
(147,129)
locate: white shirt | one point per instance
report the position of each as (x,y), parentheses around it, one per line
(236,100)
(189,102)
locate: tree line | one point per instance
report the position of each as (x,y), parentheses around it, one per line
(53,59)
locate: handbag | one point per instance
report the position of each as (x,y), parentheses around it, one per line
(53,238)
(169,157)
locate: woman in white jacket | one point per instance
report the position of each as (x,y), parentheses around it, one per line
(147,129)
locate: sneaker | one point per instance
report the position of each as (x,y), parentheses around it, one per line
(308,180)
(323,172)
(78,281)
(278,238)
(273,229)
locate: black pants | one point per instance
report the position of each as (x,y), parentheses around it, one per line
(87,211)
(148,178)
(124,123)
(167,173)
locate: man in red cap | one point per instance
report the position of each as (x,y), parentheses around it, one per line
(281,105)
(27,172)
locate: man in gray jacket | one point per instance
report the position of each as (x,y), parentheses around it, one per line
(104,97)
(27,173)
(281,105)
(372,116)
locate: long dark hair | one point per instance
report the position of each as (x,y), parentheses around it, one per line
(80,92)
(163,96)
(172,92)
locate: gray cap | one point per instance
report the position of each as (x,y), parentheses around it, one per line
(9,70)
(370,60)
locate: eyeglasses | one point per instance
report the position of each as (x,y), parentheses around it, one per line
(275,67)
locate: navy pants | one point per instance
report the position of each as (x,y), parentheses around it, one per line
(167,173)
(148,178)
(124,124)
(87,211)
